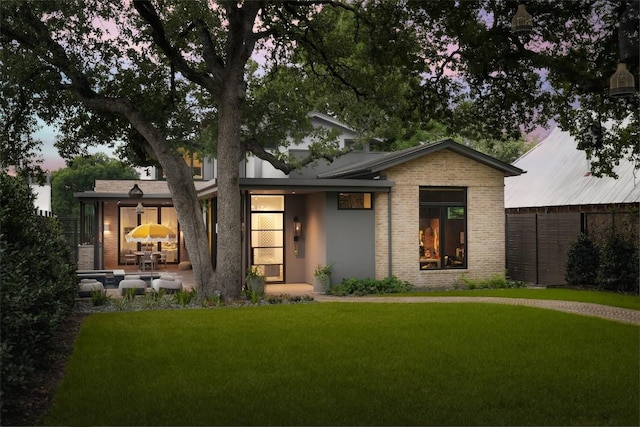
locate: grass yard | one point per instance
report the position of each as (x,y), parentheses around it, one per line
(351,364)
(595,297)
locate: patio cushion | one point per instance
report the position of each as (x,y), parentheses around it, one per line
(87,286)
(167,285)
(138,284)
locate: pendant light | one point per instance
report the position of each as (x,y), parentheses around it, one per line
(521,23)
(622,82)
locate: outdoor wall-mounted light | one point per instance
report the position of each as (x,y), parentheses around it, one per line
(521,23)
(297,228)
(622,82)
(107,227)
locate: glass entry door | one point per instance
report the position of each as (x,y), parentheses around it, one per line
(267,236)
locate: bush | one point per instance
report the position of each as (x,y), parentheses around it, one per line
(583,262)
(619,264)
(370,286)
(37,287)
(497,281)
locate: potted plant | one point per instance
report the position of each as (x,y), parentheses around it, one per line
(322,276)
(255,280)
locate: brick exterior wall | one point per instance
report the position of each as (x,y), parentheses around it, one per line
(485,237)
(111,236)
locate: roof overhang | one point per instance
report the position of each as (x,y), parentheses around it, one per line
(375,166)
(305,185)
(92,196)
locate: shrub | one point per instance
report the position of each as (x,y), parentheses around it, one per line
(497,281)
(37,287)
(98,297)
(370,286)
(619,264)
(214,300)
(184,297)
(583,262)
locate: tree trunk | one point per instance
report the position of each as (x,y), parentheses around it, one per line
(229,254)
(185,202)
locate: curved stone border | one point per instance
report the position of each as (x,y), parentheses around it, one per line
(618,314)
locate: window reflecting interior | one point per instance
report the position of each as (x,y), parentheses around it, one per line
(354,201)
(129,219)
(267,203)
(170,220)
(442,228)
(267,236)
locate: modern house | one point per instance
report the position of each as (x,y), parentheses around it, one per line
(427,214)
(557,199)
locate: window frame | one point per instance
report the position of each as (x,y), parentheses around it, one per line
(351,208)
(447,212)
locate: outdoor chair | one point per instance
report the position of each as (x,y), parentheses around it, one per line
(147,259)
(163,258)
(130,258)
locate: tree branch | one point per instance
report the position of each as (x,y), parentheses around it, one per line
(259,151)
(148,13)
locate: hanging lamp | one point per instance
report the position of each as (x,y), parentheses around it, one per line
(521,23)
(622,82)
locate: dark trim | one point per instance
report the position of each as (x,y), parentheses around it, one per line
(371,168)
(604,208)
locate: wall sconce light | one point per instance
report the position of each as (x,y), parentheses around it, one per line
(522,23)
(107,227)
(297,228)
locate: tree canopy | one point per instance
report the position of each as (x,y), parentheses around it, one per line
(80,175)
(223,75)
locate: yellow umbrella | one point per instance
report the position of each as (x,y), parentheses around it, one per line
(149,233)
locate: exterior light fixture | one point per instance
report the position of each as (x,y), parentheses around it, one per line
(137,193)
(622,82)
(107,227)
(297,228)
(521,23)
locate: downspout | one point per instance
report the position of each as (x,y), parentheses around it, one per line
(390,255)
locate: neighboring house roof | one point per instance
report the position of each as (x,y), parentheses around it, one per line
(331,120)
(558,174)
(372,167)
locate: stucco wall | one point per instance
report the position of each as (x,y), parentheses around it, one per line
(485,238)
(315,244)
(350,241)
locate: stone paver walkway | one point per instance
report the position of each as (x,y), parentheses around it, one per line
(624,315)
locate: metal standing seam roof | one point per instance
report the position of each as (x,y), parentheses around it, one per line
(375,165)
(558,174)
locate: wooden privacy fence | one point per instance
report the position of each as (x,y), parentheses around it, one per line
(538,240)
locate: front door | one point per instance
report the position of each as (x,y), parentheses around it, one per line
(267,236)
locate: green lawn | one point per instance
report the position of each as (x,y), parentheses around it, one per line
(351,364)
(596,297)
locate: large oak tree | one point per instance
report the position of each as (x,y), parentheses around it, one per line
(163,75)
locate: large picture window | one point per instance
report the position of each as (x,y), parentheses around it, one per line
(442,227)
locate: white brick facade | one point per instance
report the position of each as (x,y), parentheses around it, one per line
(484,240)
